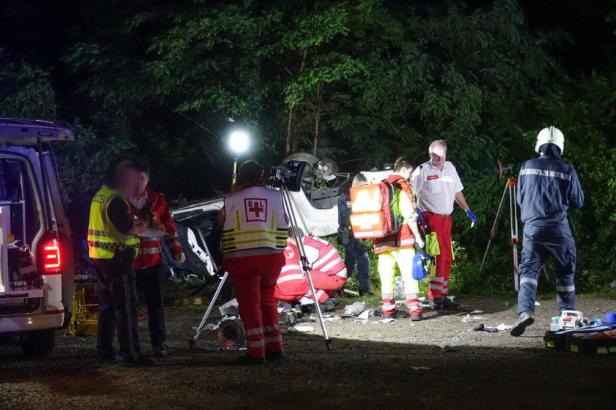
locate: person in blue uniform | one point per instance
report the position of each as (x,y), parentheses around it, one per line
(547,188)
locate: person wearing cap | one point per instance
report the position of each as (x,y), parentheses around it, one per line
(438,186)
(112,246)
(547,188)
(150,269)
(254,238)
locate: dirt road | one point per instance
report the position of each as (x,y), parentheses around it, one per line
(439,362)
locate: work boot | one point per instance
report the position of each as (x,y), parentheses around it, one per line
(415,311)
(524,319)
(443,303)
(329,305)
(160,351)
(274,356)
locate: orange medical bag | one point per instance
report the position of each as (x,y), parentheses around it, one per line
(372,210)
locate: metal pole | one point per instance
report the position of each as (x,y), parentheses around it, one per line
(513,204)
(304,260)
(193,340)
(234,177)
(493,230)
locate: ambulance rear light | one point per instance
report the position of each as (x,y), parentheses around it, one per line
(51,256)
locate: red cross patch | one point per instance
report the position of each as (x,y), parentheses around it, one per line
(255,209)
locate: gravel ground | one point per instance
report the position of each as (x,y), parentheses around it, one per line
(439,362)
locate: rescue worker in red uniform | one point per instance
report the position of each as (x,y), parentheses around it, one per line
(398,249)
(254,238)
(328,273)
(437,186)
(149,266)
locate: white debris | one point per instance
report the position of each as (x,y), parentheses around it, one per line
(476,312)
(503,327)
(230,308)
(470,319)
(388,321)
(364,315)
(304,328)
(537,303)
(354,309)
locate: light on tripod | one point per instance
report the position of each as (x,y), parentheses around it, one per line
(238,143)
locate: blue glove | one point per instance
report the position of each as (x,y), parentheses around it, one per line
(471,216)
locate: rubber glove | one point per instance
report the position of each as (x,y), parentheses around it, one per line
(471,216)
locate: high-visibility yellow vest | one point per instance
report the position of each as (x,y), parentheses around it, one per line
(103,238)
(254,219)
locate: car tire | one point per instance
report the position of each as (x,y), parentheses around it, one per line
(38,343)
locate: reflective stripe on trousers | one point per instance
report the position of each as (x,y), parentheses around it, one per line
(555,242)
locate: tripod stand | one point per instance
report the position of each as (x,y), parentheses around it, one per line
(510,189)
(290,212)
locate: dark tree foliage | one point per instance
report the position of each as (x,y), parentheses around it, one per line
(360,81)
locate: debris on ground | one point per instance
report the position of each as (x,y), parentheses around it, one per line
(470,319)
(304,328)
(354,309)
(229,308)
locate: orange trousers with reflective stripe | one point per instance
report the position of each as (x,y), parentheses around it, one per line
(254,280)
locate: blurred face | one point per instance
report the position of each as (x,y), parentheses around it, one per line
(142,183)
(438,156)
(128,181)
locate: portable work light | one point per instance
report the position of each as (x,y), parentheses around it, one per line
(239,142)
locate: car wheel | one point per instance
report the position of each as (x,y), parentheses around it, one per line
(38,343)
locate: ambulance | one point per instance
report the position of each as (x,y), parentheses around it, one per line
(36,261)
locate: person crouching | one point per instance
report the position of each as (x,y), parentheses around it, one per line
(253,242)
(328,274)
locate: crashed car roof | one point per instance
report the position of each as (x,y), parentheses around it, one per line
(198,208)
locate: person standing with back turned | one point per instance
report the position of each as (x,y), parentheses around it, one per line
(254,237)
(547,188)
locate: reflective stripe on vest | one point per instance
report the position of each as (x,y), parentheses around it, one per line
(254,219)
(103,239)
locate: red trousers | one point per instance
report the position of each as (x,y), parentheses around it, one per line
(294,290)
(254,280)
(441,225)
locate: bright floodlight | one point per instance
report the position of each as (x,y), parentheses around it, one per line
(239,141)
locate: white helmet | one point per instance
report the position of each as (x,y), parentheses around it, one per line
(550,135)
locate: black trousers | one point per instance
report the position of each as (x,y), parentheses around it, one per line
(151,281)
(117,305)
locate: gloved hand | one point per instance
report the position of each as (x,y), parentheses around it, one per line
(419,242)
(180,257)
(471,216)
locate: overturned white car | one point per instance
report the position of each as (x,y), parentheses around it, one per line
(314,194)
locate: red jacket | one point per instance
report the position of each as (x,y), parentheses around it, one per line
(404,238)
(150,253)
(328,271)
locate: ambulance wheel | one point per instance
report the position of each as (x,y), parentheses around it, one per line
(38,343)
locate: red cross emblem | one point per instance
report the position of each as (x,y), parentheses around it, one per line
(256,209)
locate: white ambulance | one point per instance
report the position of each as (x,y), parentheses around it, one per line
(36,261)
